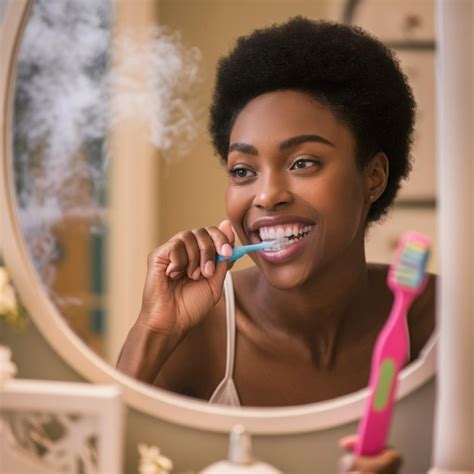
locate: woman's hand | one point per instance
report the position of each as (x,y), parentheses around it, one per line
(388,461)
(184,282)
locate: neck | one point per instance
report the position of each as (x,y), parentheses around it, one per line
(325,313)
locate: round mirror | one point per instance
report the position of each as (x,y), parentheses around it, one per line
(104,155)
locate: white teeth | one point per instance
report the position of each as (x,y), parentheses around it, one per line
(282,231)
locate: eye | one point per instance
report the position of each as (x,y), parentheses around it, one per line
(303,163)
(241,173)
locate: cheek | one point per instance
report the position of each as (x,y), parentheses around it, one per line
(341,202)
(237,204)
(348,219)
(349,195)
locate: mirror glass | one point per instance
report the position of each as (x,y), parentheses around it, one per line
(111,153)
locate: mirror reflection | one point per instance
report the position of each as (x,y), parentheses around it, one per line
(112,159)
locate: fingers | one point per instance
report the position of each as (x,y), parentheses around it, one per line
(187,262)
(348,442)
(226,227)
(177,258)
(193,253)
(207,252)
(223,239)
(388,461)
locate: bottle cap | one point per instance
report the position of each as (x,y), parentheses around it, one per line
(240,446)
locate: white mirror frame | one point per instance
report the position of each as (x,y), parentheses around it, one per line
(150,400)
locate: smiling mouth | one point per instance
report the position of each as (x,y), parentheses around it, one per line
(286,235)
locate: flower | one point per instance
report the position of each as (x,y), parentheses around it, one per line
(10,308)
(152,461)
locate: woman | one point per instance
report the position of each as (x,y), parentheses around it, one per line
(313,122)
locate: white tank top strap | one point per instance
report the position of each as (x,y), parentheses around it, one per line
(226,392)
(230,317)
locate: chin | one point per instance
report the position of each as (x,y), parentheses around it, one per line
(285,278)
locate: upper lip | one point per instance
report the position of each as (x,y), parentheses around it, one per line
(278,220)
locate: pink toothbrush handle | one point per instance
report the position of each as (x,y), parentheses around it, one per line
(389,356)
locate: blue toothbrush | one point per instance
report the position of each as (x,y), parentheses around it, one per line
(238,252)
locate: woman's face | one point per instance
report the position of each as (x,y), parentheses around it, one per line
(293,172)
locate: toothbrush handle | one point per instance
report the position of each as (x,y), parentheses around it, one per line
(389,356)
(238,252)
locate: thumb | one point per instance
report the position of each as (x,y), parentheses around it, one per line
(348,442)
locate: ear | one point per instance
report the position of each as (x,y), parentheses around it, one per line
(376,176)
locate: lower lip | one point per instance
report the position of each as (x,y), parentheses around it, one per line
(287,252)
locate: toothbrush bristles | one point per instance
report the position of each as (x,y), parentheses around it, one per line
(410,267)
(279,244)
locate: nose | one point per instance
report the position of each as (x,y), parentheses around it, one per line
(272,191)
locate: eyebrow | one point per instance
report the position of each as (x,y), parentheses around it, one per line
(285,144)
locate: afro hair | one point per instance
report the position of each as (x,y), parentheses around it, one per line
(342,66)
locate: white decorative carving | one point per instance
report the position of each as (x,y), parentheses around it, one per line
(58,427)
(59,442)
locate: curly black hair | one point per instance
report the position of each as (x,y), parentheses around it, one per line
(342,66)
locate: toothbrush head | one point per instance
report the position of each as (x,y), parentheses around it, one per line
(409,266)
(277,244)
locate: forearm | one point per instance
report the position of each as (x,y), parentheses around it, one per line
(145,351)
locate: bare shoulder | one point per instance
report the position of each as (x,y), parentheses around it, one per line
(197,365)
(422,314)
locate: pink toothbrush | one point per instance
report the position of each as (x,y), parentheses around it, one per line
(406,278)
